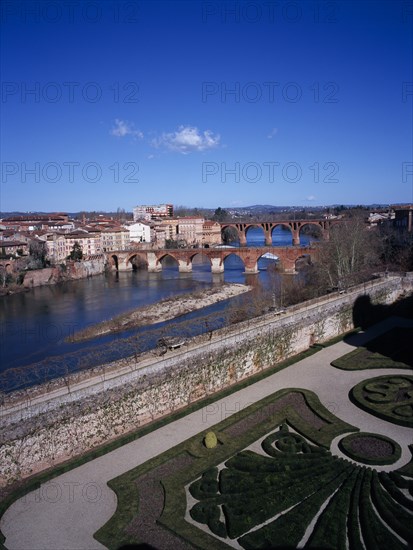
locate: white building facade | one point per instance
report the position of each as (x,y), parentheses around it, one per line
(139,232)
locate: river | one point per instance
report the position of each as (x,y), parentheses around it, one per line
(34,325)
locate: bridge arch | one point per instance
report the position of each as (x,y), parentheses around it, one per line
(234,229)
(314,229)
(249,256)
(234,254)
(137,260)
(113,261)
(303,258)
(251,226)
(166,255)
(294,226)
(199,254)
(180,257)
(278,239)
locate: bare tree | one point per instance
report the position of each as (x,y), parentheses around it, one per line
(350,255)
(395,248)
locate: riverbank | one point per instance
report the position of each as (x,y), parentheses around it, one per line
(24,280)
(164,310)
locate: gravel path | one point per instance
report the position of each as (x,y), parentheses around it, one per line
(65,512)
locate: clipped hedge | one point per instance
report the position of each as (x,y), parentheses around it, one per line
(392,513)
(251,488)
(380,396)
(330,530)
(353,522)
(205,487)
(289,528)
(375,533)
(394,491)
(346,445)
(279,492)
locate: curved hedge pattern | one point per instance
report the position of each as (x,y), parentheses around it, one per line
(291,485)
(388,397)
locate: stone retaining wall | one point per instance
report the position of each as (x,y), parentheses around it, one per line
(70,272)
(48,424)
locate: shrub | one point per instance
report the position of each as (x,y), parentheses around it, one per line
(210,440)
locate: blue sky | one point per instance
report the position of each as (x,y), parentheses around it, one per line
(110,104)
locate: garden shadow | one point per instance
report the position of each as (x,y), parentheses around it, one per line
(396,342)
(366,314)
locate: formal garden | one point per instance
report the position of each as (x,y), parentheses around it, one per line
(265,477)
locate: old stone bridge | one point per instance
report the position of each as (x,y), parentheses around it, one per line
(294,226)
(287,255)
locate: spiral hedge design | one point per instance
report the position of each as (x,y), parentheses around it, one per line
(388,397)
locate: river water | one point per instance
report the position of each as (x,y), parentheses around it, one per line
(34,325)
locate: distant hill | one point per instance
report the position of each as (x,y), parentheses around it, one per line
(240,210)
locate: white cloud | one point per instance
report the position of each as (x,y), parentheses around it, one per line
(272,133)
(311,198)
(124,128)
(187,139)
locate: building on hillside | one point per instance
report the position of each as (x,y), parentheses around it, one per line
(403,219)
(14,248)
(114,238)
(31,222)
(377,218)
(12,235)
(160,236)
(170,227)
(90,243)
(56,248)
(211,233)
(190,230)
(149,212)
(140,232)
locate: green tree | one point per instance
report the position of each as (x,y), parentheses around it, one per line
(38,253)
(220,215)
(76,253)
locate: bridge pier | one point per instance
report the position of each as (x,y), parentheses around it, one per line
(242,238)
(251,269)
(288,266)
(124,265)
(217,265)
(153,265)
(184,266)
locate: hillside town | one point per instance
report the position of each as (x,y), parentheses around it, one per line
(61,237)
(39,249)
(153,226)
